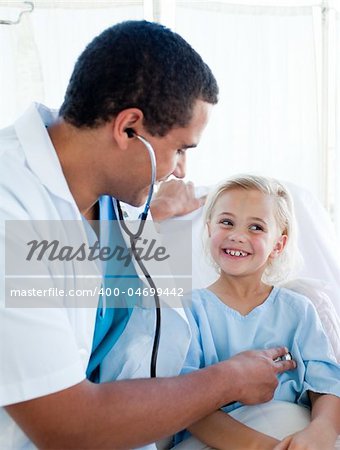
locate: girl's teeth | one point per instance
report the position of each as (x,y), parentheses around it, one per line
(236,253)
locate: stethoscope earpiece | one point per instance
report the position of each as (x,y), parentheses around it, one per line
(130,132)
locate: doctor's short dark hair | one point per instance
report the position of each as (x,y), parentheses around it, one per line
(138,64)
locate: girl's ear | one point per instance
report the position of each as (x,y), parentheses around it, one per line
(279,246)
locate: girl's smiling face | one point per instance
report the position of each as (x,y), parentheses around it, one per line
(243,232)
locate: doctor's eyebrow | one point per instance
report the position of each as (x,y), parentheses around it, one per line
(186,146)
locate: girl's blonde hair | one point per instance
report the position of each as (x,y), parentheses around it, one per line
(277,269)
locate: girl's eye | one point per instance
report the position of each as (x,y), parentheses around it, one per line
(256,228)
(180,151)
(226,222)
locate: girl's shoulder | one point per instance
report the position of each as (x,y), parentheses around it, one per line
(294,300)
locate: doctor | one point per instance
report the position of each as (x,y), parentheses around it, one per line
(135,75)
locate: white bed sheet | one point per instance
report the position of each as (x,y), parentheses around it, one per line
(276,419)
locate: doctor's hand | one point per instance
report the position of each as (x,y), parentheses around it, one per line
(256,374)
(174,198)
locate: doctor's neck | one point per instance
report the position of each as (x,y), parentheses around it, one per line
(84,154)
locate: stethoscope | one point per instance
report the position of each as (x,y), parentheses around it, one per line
(133,239)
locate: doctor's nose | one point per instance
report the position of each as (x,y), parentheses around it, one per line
(181,166)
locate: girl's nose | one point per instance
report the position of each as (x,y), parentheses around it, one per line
(237,236)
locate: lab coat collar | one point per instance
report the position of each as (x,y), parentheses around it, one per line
(39,151)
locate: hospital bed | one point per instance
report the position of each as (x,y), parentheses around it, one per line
(318,278)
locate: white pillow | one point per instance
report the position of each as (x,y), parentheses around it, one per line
(315,290)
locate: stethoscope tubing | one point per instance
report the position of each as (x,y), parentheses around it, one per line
(133,239)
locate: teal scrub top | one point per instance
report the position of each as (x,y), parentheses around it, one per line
(113,311)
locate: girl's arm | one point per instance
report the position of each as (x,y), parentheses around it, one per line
(324,428)
(221,431)
(326,408)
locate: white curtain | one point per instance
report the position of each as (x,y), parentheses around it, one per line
(268,57)
(38,54)
(267,119)
(337,124)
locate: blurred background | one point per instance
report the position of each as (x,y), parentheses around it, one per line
(277,63)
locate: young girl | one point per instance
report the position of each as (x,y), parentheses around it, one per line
(250,227)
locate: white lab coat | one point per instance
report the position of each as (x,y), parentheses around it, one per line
(45,350)
(131,356)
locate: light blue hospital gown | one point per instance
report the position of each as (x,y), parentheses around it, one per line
(284,319)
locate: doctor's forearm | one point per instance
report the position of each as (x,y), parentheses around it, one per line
(127,414)
(123,414)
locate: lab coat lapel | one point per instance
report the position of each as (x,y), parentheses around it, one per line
(42,160)
(40,154)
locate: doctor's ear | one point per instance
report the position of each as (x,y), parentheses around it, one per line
(130,132)
(125,126)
